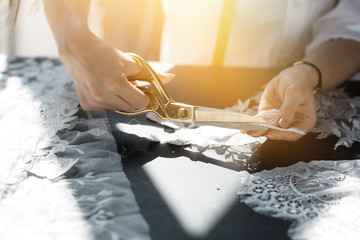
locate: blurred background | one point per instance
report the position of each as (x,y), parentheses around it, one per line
(30,35)
(123,22)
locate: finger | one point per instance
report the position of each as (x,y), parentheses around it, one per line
(113,103)
(302,122)
(114,94)
(131,94)
(120,103)
(269,99)
(111,92)
(86,98)
(89,103)
(86,101)
(282,135)
(117,103)
(305,122)
(166,77)
(132,68)
(254,133)
(257,133)
(288,109)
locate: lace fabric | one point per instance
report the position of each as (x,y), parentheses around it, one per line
(224,145)
(31,92)
(339,115)
(321,198)
(60,174)
(37,102)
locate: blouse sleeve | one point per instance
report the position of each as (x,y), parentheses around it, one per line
(341,22)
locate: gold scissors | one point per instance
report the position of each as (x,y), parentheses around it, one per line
(166,108)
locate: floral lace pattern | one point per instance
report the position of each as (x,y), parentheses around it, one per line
(26,84)
(48,164)
(320,198)
(60,174)
(226,145)
(339,115)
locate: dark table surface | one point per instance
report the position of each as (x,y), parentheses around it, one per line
(171,184)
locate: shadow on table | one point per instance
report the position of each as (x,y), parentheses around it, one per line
(269,155)
(274,154)
(216,88)
(239,222)
(128,143)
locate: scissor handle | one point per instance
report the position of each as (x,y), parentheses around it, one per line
(160,101)
(173,111)
(153,106)
(149,75)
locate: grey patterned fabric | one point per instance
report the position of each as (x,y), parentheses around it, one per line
(60,174)
(100,185)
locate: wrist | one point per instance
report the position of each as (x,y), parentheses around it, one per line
(72,37)
(66,17)
(314,74)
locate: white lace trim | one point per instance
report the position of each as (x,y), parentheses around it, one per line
(321,198)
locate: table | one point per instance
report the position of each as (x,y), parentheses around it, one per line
(62,175)
(189,195)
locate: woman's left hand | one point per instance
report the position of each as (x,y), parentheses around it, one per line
(291,92)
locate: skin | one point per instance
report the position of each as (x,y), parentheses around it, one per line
(291,91)
(100,72)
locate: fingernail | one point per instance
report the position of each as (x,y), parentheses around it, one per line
(283,122)
(170,75)
(268,136)
(255,135)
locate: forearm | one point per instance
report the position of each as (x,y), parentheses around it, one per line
(67,18)
(337,59)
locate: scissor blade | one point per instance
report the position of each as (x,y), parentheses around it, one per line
(226,119)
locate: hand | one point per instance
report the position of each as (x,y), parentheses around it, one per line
(99,73)
(291,92)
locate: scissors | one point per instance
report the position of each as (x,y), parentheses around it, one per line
(166,108)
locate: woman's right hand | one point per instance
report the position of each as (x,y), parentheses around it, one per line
(100,72)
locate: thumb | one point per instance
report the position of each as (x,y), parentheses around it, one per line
(288,110)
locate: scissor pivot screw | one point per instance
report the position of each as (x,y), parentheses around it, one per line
(183,113)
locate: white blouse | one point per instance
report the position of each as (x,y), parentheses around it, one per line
(263,33)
